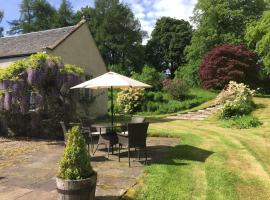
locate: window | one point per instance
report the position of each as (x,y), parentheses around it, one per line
(86,94)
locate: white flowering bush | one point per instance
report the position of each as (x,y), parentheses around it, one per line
(237,100)
(130,100)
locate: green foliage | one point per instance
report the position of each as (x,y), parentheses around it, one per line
(130,100)
(13,71)
(237,99)
(258,37)
(117,33)
(35,15)
(162,103)
(35,60)
(75,164)
(241,122)
(120,69)
(218,22)
(72,69)
(65,14)
(150,76)
(178,89)
(168,41)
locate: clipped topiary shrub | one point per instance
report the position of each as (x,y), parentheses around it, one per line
(75,164)
(227,63)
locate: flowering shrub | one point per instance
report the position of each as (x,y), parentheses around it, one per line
(130,100)
(227,63)
(237,100)
(177,88)
(39,79)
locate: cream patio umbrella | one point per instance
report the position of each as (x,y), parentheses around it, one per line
(111,80)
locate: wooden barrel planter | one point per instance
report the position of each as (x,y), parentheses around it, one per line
(77,189)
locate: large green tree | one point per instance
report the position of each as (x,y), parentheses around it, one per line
(65,14)
(117,33)
(258,37)
(25,23)
(168,41)
(1,18)
(35,15)
(45,15)
(217,22)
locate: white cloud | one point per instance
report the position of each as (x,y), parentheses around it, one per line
(148,11)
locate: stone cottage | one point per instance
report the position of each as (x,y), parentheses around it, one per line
(74,44)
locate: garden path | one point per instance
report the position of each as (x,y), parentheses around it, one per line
(28,168)
(196,114)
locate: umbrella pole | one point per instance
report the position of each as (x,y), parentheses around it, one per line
(112,105)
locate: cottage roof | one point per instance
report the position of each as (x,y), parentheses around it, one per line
(29,43)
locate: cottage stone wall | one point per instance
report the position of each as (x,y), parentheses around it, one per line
(80,49)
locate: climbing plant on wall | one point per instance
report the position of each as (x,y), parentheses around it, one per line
(37,87)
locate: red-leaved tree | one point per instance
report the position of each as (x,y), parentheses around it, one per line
(227,63)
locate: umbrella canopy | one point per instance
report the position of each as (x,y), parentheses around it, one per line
(111,79)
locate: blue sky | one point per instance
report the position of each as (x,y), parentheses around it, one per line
(147,11)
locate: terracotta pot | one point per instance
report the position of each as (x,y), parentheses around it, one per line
(83,189)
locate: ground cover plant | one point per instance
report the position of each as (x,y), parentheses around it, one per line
(154,102)
(210,162)
(242,122)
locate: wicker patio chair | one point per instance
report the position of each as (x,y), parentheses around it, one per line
(133,120)
(136,138)
(90,131)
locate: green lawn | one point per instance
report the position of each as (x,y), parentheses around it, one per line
(210,162)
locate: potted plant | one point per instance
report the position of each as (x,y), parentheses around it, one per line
(76,179)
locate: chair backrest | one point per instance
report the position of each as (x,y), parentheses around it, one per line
(137,133)
(137,120)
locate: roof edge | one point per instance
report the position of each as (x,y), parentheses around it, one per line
(17,55)
(76,27)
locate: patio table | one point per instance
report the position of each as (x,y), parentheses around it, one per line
(110,137)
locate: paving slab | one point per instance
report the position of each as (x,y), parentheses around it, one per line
(30,172)
(197,115)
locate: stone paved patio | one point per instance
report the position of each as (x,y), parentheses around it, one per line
(28,169)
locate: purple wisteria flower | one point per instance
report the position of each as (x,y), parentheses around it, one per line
(32,76)
(6,84)
(25,104)
(8,101)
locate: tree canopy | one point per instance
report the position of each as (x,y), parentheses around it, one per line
(117,33)
(65,15)
(218,22)
(258,37)
(168,40)
(1,18)
(35,15)
(227,63)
